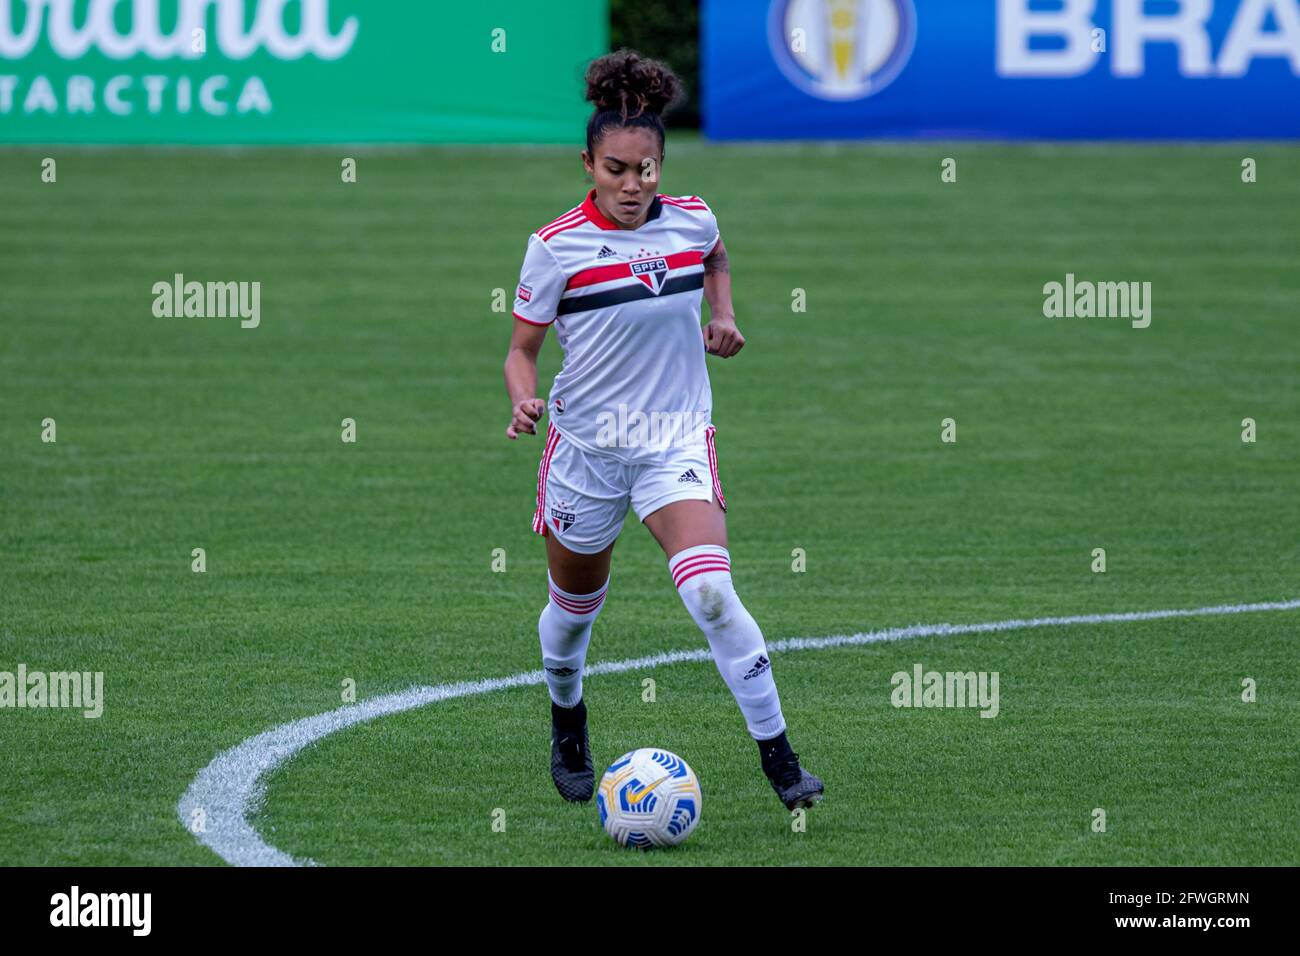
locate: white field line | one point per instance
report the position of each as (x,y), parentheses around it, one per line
(230,789)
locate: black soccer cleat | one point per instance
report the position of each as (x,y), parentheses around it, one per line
(793,784)
(571,766)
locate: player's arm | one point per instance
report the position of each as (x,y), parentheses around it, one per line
(521,378)
(541,284)
(721,337)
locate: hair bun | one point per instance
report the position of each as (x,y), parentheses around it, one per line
(630,84)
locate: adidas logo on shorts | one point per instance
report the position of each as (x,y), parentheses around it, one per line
(690,477)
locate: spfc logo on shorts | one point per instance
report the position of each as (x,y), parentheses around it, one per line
(562,519)
(651,272)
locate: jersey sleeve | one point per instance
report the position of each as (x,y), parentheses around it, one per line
(541,283)
(709,233)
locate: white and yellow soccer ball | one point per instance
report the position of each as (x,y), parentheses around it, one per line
(649,798)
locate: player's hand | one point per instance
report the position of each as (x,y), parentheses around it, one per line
(527,414)
(722,338)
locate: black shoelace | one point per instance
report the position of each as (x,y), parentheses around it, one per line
(786,772)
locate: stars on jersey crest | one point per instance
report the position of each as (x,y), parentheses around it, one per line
(607,253)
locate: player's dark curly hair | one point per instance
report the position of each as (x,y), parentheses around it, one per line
(628,89)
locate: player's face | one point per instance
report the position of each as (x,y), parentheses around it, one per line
(626,171)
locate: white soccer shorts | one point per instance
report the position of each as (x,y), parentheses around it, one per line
(582,498)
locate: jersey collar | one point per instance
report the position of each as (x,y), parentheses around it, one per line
(593,213)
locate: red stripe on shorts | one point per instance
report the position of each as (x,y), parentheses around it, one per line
(552,439)
(713,467)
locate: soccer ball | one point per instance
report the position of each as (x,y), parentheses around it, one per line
(649,798)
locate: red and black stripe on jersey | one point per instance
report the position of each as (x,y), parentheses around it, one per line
(559,277)
(631,292)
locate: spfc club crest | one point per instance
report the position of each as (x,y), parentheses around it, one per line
(562,519)
(651,272)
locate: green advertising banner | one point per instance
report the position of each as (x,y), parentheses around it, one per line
(295,71)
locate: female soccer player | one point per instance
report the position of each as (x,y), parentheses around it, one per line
(620,276)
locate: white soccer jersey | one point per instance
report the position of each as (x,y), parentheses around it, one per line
(626,307)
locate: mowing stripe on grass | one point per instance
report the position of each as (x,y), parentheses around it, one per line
(230,789)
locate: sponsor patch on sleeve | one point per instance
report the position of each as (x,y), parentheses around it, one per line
(525,291)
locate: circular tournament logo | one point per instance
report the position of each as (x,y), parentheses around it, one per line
(841,49)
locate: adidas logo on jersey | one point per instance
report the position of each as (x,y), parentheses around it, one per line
(606,253)
(760,666)
(690,477)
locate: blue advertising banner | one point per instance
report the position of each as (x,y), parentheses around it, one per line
(1047,69)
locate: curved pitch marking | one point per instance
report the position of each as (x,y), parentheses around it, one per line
(230,789)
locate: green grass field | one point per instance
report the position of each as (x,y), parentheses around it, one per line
(372,561)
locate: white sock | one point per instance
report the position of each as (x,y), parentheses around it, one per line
(703,578)
(565,631)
